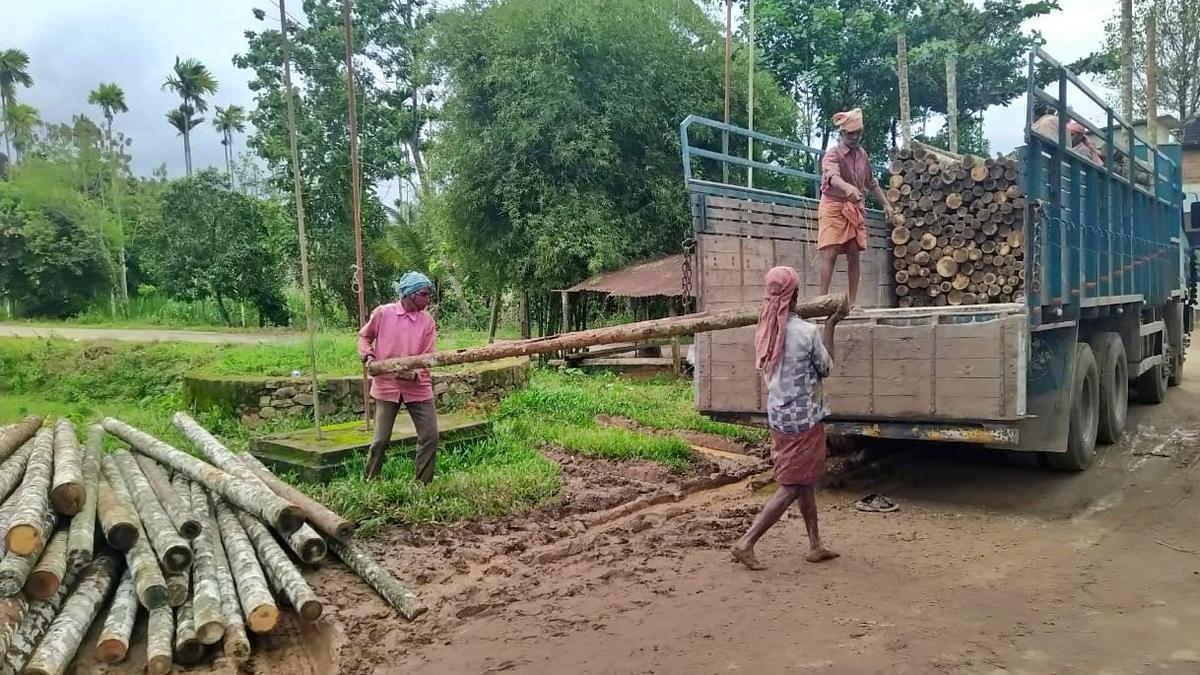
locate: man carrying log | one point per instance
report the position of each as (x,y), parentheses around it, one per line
(793,356)
(846,173)
(402,328)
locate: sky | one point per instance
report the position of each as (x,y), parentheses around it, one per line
(75,44)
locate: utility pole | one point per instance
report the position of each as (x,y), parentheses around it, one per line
(356,197)
(750,103)
(952,102)
(728,85)
(902,74)
(305,283)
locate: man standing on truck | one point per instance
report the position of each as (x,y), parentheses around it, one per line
(794,356)
(846,173)
(402,328)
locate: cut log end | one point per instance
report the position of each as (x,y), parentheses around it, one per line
(235,646)
(190,529)
(158,665)
(111,650)
(177,559)
(263,619)
(291,518)
(210,633)
(154,597)
(313,551)
(22,539)
(189,651)
(344,532)
(42,584)
(68,498)
(311,610)
(122,536)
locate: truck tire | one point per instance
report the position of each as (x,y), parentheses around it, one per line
(1085,415)
(1152,385)
(1114,385)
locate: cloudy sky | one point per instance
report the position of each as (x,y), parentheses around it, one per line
(75,44)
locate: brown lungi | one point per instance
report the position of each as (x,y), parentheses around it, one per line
(799,459)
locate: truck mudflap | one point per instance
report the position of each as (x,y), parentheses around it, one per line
(998,435)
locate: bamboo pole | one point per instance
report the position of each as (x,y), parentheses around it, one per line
(822,305)
(902,74)
(298,196)
(952,102)
(750,100)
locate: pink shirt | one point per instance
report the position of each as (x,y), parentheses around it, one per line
(392,332)
(852,166)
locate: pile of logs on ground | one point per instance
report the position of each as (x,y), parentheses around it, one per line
(206,551)
(958,228)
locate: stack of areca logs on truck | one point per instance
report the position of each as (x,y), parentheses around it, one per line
(958,228)
(205,551)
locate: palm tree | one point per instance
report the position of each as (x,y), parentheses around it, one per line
(111,99)
(227,120)
(20,119)
(14,72)
(193,81)
(181,118)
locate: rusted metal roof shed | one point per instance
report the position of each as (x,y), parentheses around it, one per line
(662,277)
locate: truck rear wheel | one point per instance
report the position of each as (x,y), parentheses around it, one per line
(1152,384)
(1085,415)
(1113,368)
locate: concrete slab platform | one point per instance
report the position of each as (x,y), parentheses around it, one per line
(321,460)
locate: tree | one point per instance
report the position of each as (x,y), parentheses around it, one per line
(1178,56)
(385,121)
(53,255)
(21,119)
(558,150)
(14,72)
(184,121)
(192,81)
(111,99)
(228,120)
(215,243)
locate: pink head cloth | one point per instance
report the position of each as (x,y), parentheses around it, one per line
(778,287)
(850,120)
(1074,127)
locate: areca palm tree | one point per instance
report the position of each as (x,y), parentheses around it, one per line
(14,72)
(228,120)
(111,99)
(192,81)
(20,119)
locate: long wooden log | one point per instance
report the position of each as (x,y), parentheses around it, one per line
(188,649)
(117,517)
(181,516)
(173,551)
(81,538)
(179,586)
(35,623)
(279,568)
(258,606)
(34,499)
(160,640)
(148,578)
(113,643)
(51,567)
(15,568)
(324,519)
(821,305)
(18,434)
(400,598)
(206,592)
(12,612)
(66,633)
(67,490)
(283,516)
(235,644)
(12,471)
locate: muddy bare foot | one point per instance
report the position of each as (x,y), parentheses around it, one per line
(746,557)
(820,554)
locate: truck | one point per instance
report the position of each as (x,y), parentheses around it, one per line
(1104,315)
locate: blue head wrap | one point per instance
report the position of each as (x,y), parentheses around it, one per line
(410,283)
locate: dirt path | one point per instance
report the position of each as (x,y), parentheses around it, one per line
(142,334)
(993,566)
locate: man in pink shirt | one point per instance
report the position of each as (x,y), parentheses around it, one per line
(402,328)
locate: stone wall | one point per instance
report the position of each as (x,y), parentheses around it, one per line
(255,399)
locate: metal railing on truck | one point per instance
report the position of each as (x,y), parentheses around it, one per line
(1097,237)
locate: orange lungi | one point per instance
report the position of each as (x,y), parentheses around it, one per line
(839,222)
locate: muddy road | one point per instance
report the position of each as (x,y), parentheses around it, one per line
(993,565)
